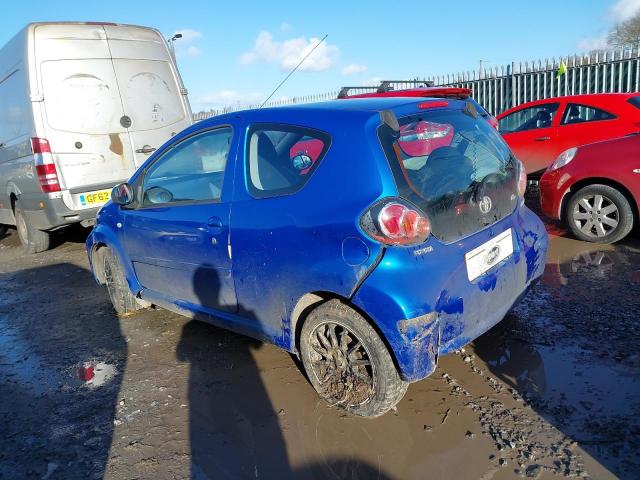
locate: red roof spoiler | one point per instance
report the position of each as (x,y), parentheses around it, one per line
(446,92)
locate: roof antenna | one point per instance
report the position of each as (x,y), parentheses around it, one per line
(294,69)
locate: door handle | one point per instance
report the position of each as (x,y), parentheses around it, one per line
(147,149)
(542,139)
(636,170)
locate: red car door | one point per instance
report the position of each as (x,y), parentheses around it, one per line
(582,124)
(531,133)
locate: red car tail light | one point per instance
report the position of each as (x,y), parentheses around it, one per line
(45,166)
(396,222)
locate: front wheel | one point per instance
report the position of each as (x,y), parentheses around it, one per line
(123,301)
(599,213)
(348,363)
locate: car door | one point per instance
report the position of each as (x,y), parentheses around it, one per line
(178,233)
(531,133)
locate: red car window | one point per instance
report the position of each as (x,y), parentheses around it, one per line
(576,113)
(531,118)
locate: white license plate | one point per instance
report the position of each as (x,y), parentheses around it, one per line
(483,258)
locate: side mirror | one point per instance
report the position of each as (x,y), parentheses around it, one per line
(122,194)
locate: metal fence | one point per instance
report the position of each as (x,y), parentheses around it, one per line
(502,87)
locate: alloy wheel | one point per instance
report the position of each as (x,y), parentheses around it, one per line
(341,364)
(596,215)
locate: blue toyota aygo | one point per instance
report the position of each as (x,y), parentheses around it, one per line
(367,236)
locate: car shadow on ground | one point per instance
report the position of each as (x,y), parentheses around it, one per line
(62,355)
(234,429)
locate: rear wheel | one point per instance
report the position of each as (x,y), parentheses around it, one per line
(32,239)
(348,363)
(599,213)
(3,230)
(123,301)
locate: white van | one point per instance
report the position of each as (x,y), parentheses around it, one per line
(82,105)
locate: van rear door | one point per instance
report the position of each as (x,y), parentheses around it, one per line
(153,102)
(84,119)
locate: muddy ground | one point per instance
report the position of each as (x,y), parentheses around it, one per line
(552,391)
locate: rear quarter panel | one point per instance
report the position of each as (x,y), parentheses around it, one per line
(309,241)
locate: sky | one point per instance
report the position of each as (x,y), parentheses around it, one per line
(236,53)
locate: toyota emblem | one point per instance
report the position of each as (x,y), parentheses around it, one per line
(485,205)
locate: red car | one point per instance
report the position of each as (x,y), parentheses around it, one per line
(595,189)
(539,131)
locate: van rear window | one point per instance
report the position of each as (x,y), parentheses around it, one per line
(456,168)
(81,96)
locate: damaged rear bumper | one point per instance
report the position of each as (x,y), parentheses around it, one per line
(425,305)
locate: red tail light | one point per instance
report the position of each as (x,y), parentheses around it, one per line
(40,145)
(395,222)
(522,179)
(45,166)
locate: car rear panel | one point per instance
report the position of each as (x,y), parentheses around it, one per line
(422,298)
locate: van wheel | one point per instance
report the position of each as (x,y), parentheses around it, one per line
(123,301)
(348,363)
(32,239)
(599,213)
(3,230)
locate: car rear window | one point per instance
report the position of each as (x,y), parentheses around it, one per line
(635,101)
(455,167)
(281,158)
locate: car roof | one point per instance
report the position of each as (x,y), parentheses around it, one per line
(599,99)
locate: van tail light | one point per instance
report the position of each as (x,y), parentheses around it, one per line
(522,179)
(45,166)
(396,222)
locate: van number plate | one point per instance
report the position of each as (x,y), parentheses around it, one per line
(482,259)
(91,199)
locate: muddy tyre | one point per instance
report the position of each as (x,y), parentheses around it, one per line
(348,363)
(599,213)
(123,301)
(32,239)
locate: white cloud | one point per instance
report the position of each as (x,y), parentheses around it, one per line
(288,53)
(620,11)
(188,35)
(192,51)
(228,98)
(590,44)
(184,47)
(353,68)
(286,27)
(624,10)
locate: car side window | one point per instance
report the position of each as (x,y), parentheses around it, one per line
(190,171)
(281,158)
(531,118)
(582,113)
